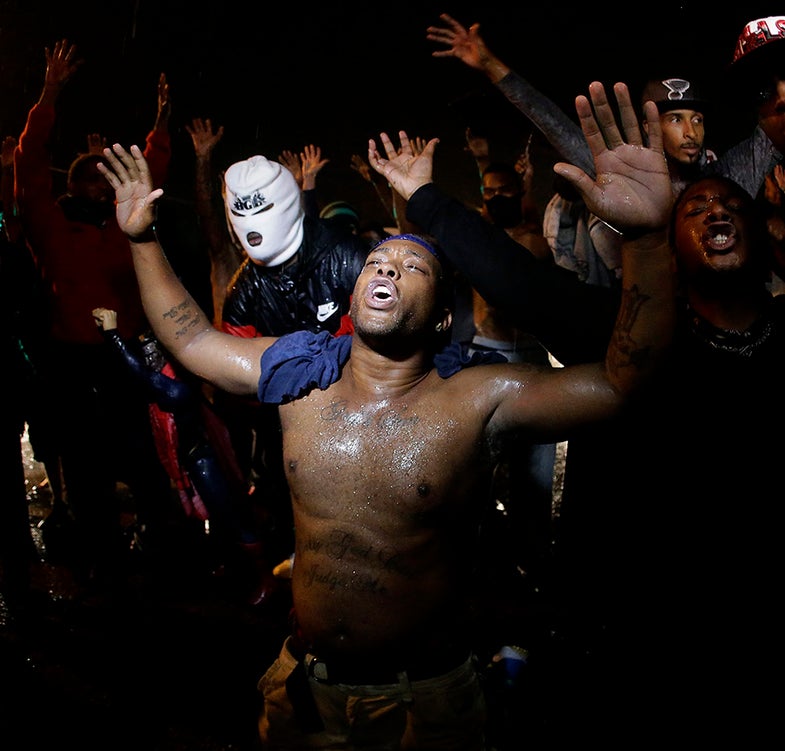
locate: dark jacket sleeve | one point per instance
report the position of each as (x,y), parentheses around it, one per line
(168,393)
(573,320)
(563,133)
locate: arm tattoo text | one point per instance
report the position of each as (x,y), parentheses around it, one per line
(185,315)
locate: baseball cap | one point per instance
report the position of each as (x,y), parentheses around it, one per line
(674,94)
(758,57)
(758,35)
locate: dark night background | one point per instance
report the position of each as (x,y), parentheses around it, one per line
(279,76)
(181,673)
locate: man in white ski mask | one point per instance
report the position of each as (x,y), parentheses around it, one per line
(264,209)
(300,270)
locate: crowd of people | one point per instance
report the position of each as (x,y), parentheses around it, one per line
(361,399)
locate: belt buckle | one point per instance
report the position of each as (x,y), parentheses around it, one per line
(317,669)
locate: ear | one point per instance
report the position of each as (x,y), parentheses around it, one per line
(446,322)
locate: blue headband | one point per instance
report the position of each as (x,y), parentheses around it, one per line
(417,240)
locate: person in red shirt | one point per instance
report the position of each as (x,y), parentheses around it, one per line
(85,262)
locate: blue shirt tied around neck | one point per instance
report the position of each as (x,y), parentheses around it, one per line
(300,362)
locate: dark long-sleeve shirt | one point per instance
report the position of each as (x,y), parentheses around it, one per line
(573,320)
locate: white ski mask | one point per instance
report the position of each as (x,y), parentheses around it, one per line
(264,208)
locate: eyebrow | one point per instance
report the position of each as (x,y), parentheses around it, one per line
(714,196)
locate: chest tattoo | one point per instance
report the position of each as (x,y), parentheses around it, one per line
(388,420)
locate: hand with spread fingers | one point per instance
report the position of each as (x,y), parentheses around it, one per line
(291,161)
(129,175)
(203,136)
(632,189)
(404,169)
(312,164)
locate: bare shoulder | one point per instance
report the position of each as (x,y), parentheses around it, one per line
(515,371)
(491,382)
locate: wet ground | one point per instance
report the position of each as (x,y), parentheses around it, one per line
(169,663)
(160,666)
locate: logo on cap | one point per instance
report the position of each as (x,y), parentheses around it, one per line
(252,201)
(677,88)
(758,33)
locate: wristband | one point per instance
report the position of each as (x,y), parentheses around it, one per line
(148,236)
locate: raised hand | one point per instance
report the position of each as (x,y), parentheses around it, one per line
(362,167)
(466,45)
(291,161)
(129,176)
(203,137)
(404,170)
(312,163)
(96,143)
(61,64)
(164,100)
(632,189)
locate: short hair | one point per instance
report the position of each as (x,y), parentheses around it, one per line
(502,168)
(79,167)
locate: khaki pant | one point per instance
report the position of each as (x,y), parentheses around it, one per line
(446,712)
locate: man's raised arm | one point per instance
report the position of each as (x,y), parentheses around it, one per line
(231,363)
(632,193)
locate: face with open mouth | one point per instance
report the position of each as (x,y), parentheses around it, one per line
(396,290)
(711,226)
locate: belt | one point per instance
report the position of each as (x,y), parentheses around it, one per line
(370,674)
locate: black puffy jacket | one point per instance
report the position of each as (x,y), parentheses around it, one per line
(313,293)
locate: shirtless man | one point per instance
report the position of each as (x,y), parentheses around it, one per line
(383,448)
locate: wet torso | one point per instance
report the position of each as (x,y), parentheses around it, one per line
(386,511)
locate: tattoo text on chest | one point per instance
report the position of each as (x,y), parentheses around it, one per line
(389,419)
(343,547)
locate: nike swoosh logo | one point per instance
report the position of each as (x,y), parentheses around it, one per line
(323,312)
